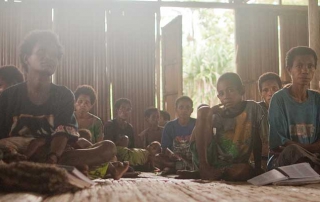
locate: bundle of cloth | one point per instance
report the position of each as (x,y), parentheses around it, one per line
(19,175)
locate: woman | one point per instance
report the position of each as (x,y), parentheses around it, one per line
(294,114)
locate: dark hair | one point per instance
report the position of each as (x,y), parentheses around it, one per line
(85,133)
(148,112)
(269,76)
(34,37)
(234,78)
(121,101)
(299,50)
(183,98)
(86,90)
(165,115)
(11,75)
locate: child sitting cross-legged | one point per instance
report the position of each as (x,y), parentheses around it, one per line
(225,153)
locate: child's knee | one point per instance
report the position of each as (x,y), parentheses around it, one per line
(108,148)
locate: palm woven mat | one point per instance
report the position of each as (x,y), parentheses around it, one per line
(150,187)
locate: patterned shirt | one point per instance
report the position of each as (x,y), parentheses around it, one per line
(177,137)
(21,117)
(235,136)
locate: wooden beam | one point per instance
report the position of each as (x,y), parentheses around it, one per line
(314,40)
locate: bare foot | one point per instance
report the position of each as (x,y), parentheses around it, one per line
(207,172)
(117,169)
(186,174)
(168,171)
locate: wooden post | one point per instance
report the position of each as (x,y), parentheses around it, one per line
(314,39)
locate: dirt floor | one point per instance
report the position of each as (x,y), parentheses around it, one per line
(149,187)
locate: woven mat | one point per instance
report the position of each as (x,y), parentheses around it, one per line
(156,188)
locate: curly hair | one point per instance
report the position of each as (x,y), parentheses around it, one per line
(34,37)
(183,98)
(11,75)
(86,90)
(269,76)
(165,115)
(121,101)
(148,112)
(299,50)
(234,78)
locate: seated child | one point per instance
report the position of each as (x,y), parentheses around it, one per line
(41,113)
(268,84)
(176,133)
(85,98)
(146,159)
(164,118)
(224,153)
(153,131)
(117,128)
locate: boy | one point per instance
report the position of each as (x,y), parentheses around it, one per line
(164,118)
(268,84)
(39,114)
(9,76)
(116,129)
(294,114)
(153,131)
(237,127)
(176,134)
(86,97)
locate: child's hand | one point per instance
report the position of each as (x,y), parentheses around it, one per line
(217,109)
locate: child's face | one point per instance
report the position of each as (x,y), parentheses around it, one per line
(302,70)
(154,148)
(268,88)
(154,118)
(83,104)
(44,58)
(124,111)
(228,94)
(162,122)
(184,109)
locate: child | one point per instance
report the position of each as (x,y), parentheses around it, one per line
(147,159)
(9,76)
(40,113)
(268,84)
(164,118)
(225,154)
(86,97)
(153,131)
(176,134)
(116,129)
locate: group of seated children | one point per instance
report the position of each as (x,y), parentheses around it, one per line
(229,141)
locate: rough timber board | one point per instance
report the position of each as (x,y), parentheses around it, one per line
(172,190)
